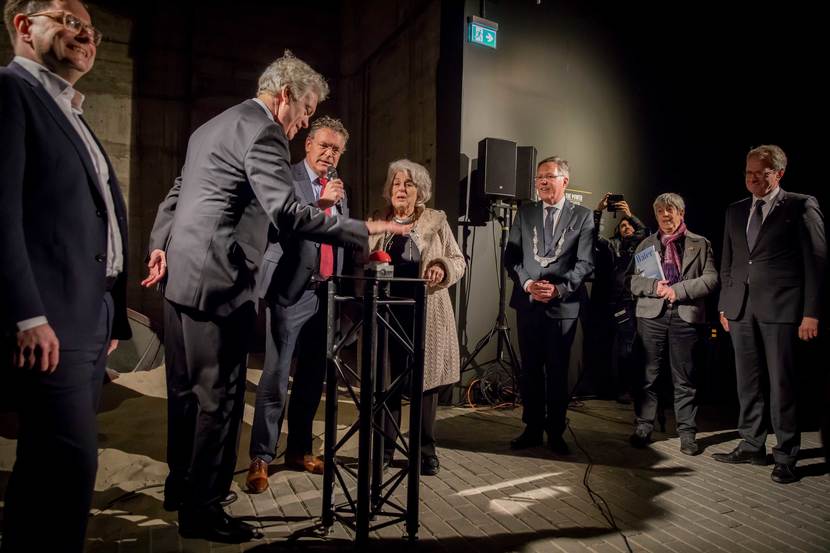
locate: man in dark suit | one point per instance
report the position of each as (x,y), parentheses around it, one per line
(294,273)
(773,262)
(548,255)
(234,184)
(63,238)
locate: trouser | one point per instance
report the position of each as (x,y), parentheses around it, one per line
(303,323)
(545,347)
(205,358)
(50,490)
(667,338)
(766,348)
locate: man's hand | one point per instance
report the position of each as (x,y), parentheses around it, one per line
(38,342)
(112,346)
(434,274)
(158,268)
(808,329)
(665,291)
(623,206)
(380,227)
(332,194)
(542,291)
(603,202)
(724,322)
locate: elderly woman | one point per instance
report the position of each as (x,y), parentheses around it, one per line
(430,252)
(669,312)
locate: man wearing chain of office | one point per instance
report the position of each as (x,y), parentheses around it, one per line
(548,255)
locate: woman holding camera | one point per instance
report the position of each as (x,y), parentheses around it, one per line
(611,298)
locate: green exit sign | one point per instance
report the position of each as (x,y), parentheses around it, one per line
(482,31)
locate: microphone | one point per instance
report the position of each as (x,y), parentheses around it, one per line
(331,174)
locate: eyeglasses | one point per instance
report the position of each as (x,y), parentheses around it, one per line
(72,24)
(335,150)
(546,177)
(759,174)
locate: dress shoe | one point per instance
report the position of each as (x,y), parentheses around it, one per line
(527,439)
(257,479)
(557,445)
(739,456)
(304,461)
(430,465)
(783,473)
(641,437)
(172,503)
(215,525)
(688,445)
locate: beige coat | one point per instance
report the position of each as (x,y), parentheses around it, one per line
(436,243)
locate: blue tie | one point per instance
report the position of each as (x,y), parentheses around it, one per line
(551,211)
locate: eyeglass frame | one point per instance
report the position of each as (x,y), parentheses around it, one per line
(547,177)
(61,16)
(335,150)
(760,174)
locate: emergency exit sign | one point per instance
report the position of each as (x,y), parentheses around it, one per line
(482,31)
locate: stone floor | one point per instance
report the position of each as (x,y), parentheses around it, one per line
(486,497)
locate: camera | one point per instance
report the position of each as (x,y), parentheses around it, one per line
(613,199)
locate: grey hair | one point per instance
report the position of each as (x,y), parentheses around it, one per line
(294,73)
(670,199)
(770,155)
(564,168)
(326,122)
(419,175)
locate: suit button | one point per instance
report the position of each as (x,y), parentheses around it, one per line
(100,258)
(750,262)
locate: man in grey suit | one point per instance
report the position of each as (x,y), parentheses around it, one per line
(294,273)
(773,265)
(548,255)
(234,183)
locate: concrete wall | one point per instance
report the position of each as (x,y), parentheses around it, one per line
(554,85)
(388,67)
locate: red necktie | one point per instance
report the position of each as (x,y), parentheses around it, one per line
(326,251)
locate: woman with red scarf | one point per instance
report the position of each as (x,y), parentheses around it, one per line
(670,311)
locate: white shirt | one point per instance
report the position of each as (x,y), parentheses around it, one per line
(70,102)
(769,205)
(556,216)
(267,110)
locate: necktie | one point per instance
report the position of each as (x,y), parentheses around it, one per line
(755,221)
(551,212)
(326,251)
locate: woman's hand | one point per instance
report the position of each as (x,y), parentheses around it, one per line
(434,275)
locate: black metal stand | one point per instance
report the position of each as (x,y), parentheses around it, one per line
(504,215)
(368,504)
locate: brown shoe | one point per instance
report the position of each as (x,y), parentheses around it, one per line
(257,480)
(304,461)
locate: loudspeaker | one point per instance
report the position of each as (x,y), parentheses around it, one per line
(525,172)
(497,167)
(478,208)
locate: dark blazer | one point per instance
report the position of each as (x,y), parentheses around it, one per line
(575,261)
(234,184)
(698,279)
(53,221)
(786,267)
(289,263)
